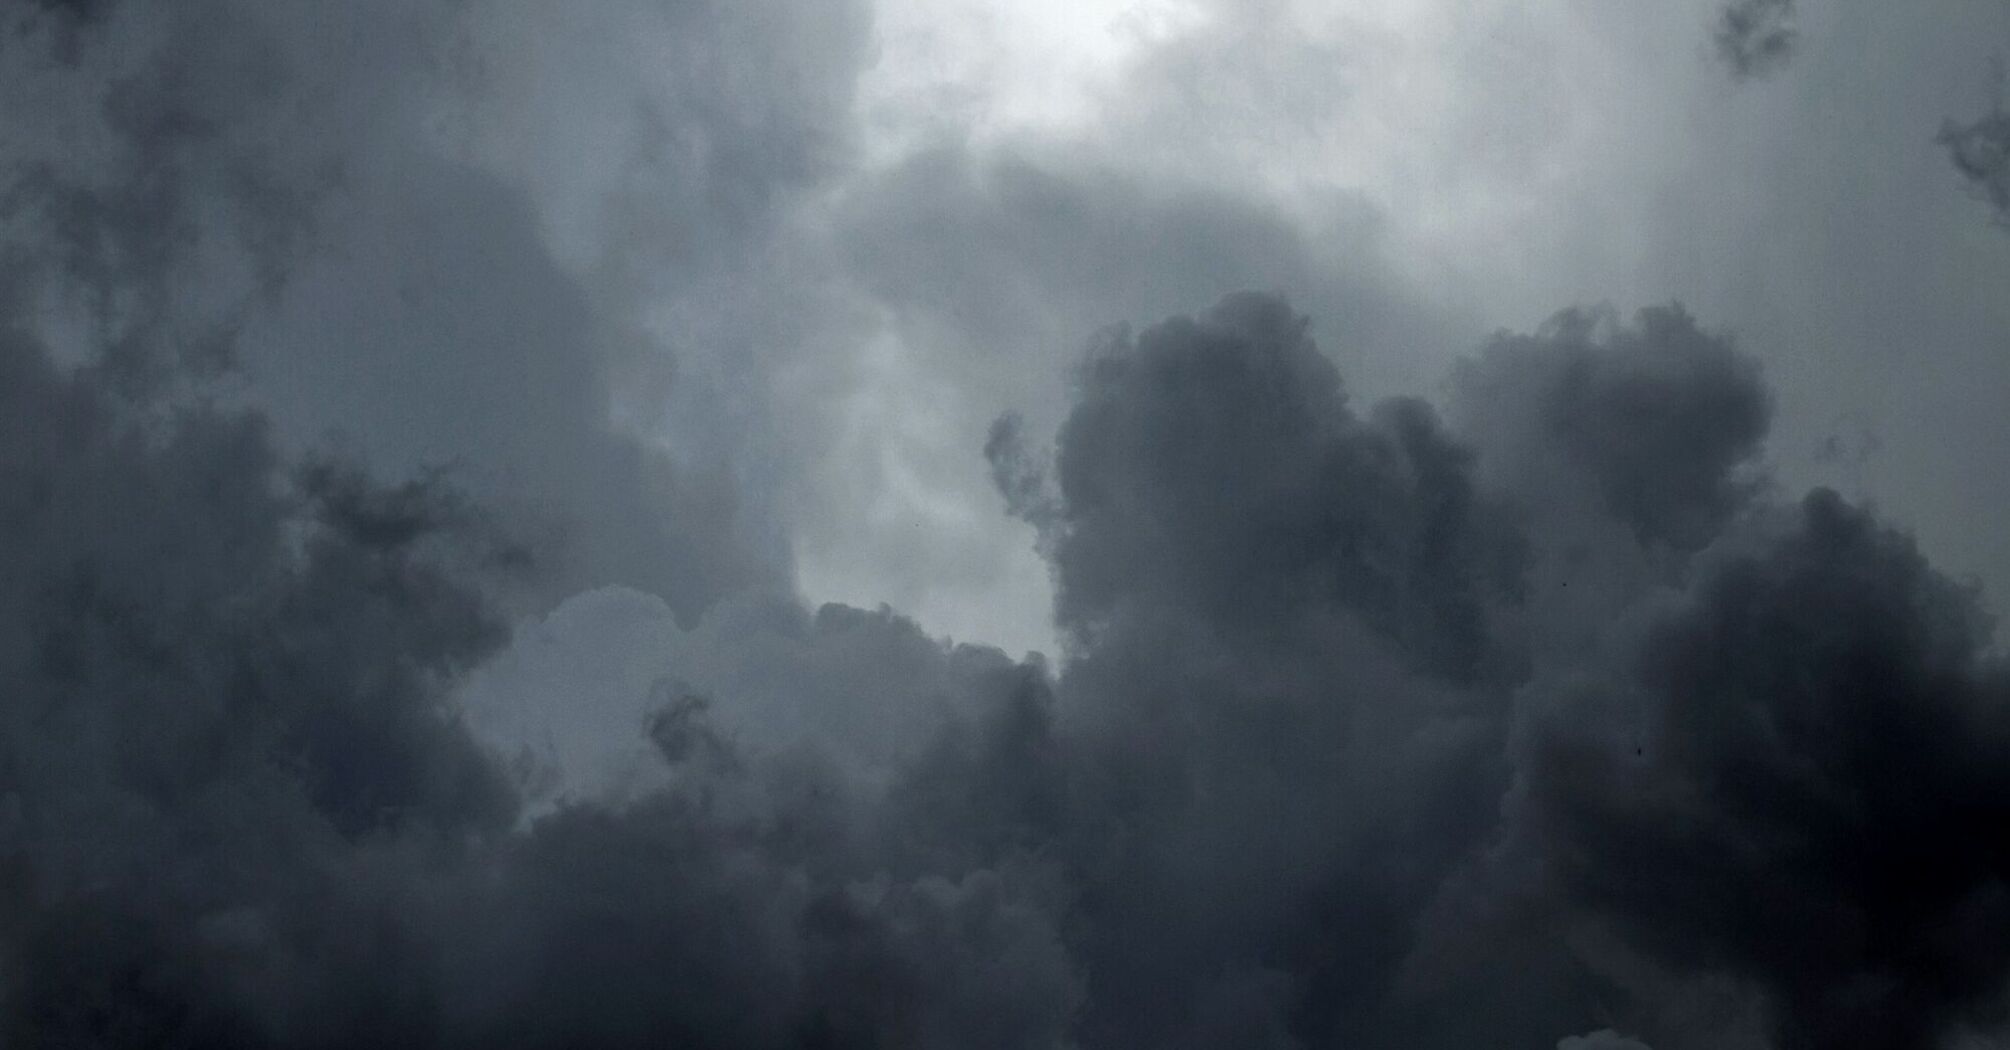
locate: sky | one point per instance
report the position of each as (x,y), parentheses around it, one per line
(1036,525)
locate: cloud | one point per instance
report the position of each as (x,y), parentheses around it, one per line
(1374,726)
(1296,710)
(1659,420)
(241,807)
(1604,1039)
(1212,468)
(1804,793)
(1280,699)
(1980,150)
(1756,37)
(227,700)
(983,269)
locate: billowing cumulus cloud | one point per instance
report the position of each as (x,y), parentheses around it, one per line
(417,423)
(1808,792)
(1652,420)
(1212,469)
(226,708)
(242,810)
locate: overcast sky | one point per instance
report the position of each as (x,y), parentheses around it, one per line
(1050,524)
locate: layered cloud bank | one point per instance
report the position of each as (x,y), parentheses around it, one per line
(417,423)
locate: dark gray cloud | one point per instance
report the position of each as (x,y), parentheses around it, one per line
(1756,37)
(226,698)
(1808,791)
(991,266)
(1212,468)
(1373,729)
(241,809)
(1256,578)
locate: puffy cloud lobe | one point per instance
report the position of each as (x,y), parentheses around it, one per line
(242,811)
(991,265)
(1211,467)
(760,895)
(1655,418)
(1812,794)
(1281,720)
(237,807)
(224,693)
(743,909)
(1217,827)
(236,801)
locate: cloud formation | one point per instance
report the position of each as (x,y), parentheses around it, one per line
(1655,418)
(401,457)
(1807,793)
(1296,712)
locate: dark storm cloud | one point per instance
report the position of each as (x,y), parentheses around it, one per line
(225,692)
(992,264)
(754,900)
(148,173)
(1811,795)
(240,809)
(1314,716)
(237,796)
(340,204)
(1655,418)
(1279,705)
(1211,467)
